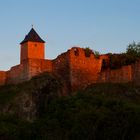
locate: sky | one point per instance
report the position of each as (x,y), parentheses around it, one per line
(103,25)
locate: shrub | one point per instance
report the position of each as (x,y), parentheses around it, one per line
(88,52)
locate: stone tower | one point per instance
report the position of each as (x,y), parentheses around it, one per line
(32,47)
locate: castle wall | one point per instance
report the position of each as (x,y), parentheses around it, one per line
(83,70)
(37,66)
(2,77)
(121,75)
(136,72)
(75,69)
(17,74)
(61,68)
(26,70)
(104,56)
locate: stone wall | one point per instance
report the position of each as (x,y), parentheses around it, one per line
(2,77)
(121,75)
(27,69)
(18,74)
(32,50)
(37,66)
(83,70)
(136,72)
(75,69)
(61,68)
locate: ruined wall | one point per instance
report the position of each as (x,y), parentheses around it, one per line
(104,57)
(61,68)
(18,74)
(2,77)
(37,66)
(83,70)
(121,75)
(136,72)
(75,69)
(27,69)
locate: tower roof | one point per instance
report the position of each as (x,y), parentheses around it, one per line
(33,37)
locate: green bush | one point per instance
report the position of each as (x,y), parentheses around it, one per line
(131,55)
(88,52)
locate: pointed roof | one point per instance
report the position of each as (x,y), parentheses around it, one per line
(33,37)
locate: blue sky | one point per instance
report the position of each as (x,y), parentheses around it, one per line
(102,25)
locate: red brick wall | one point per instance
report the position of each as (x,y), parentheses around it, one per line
(2,77)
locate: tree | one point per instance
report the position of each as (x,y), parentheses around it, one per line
(133,49)
(88,52)
(97,54)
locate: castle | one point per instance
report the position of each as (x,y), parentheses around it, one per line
(75,68)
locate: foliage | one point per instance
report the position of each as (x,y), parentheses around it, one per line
(97,54)
(102,111)
(88,51)
(131,55)
(119,60)
(133,49)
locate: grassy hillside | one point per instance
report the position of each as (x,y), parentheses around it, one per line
(100,112)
